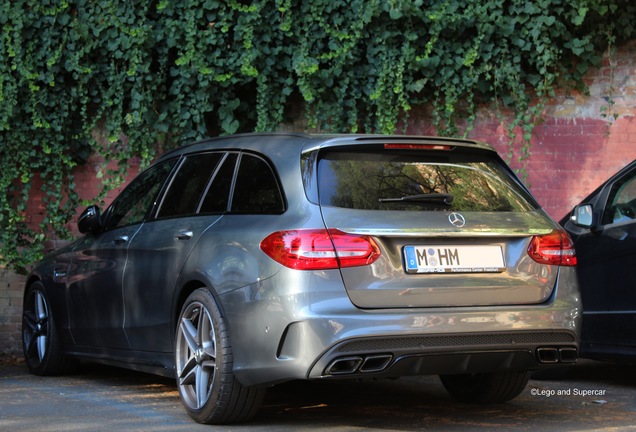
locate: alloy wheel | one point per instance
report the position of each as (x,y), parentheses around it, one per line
(196,355)
(35,330)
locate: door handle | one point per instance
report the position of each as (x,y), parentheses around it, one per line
(184,235)
(121,239)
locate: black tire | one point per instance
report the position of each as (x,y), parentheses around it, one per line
(486,388)
(207,386)
(40,343)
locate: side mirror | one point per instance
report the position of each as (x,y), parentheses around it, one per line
(90,220)
(583,216)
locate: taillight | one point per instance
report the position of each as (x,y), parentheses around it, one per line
(320,249)
(555,248)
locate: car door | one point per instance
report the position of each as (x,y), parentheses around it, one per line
(157,253)
(94,287)
(607,270)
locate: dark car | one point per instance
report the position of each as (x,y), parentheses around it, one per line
(603,228)
(240,262)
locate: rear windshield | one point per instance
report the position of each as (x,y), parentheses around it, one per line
(420,180)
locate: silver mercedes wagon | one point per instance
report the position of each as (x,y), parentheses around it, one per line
(237,263)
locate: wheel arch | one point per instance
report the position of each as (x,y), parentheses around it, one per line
(55,293)
(188,288)
(31,279)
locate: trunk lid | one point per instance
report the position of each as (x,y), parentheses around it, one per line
(445,280)
(452,222)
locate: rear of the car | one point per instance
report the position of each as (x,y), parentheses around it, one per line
(447,264)
(449,226)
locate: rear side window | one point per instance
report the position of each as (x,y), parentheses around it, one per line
(418,180)
(256,189)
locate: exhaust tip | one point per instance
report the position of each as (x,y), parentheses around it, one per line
(557,355)
(344,365)
(548,355)
(376,363)
(568,355)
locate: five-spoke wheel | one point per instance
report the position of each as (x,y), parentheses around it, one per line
(42,350)
(204,362)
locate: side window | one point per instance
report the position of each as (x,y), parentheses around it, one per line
(256,189)
(218,193)
(622,201)
(188,185)
(136,201)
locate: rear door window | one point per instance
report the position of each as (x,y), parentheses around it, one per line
(217,196)
(418,180)
(189,183)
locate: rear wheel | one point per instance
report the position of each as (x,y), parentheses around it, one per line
(203,357)
(486,387)
(40,343)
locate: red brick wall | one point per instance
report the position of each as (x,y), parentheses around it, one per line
(570,157)
(575,147)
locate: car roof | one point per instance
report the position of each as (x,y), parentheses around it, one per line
(303,142)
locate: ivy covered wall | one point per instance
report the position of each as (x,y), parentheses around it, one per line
(114,80)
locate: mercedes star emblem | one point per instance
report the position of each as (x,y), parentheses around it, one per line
(457,220)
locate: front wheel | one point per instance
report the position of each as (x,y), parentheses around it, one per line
(486,387)
(203,356)
(42,349)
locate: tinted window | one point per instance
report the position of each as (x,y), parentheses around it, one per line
(136,201)
(188,185)
(403,180)
(256,189)
(217,196)
(622,201)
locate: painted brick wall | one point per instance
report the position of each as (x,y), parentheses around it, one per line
(574,150)
(11,286)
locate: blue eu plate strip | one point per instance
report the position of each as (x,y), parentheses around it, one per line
(411,261)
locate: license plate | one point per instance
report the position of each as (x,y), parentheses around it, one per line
(453,259)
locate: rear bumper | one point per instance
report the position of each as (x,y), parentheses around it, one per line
(322,335)
(447,354)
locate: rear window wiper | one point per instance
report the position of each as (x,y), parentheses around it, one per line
(429,197)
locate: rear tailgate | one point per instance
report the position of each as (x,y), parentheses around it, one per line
(452,222)
(426,262)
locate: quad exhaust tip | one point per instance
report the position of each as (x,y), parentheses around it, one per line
(379,362)
(549,355)
(358,364)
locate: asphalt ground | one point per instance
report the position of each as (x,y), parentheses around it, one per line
(590,396)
